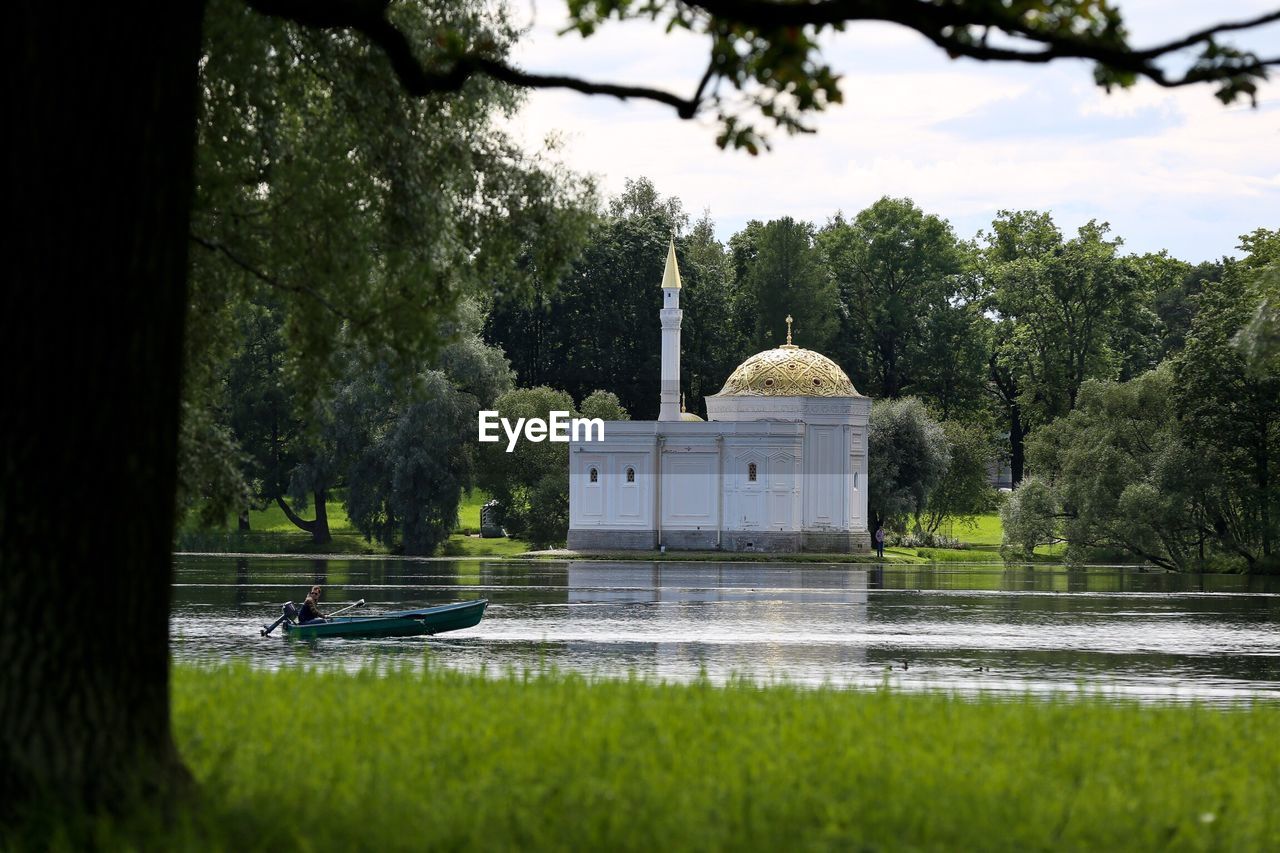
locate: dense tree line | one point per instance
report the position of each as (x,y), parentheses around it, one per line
(993,346)
(978,352)
(994,350)
(1176,466)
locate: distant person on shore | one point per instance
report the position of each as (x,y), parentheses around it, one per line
(880,542)
(310,611)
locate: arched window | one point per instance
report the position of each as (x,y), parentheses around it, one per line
(855,479)
(594,475)
(751,472)
(631,475)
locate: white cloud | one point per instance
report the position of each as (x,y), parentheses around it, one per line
(1168,168)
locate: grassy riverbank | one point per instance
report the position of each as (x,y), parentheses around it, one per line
(272,533)
(440,760)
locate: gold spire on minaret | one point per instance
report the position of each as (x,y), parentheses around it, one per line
(788,344)
(671,275)
(682,408)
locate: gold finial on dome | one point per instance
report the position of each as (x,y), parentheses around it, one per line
(687,416)
(788,344)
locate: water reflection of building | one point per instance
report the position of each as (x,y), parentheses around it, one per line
(621,582)
(725,618)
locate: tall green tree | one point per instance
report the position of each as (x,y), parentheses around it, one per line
(350,214)
(404,446)
(530,481)
(779,272)
(1230,405)
(575,337)
(600,326)
(278,426)
(908,457)
(964,492)
(313,177)
(712,344)
(910,322)
(1122,476)
(1063,312)
(1175,467)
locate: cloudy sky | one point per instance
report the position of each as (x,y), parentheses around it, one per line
(1169,169)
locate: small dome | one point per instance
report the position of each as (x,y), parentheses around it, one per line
(690,416)
(788,371)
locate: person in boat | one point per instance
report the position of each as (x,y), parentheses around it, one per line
(310,611)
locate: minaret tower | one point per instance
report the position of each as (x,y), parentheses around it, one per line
(671,316)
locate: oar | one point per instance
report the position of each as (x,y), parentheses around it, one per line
(345,609)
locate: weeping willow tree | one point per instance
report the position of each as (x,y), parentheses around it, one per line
(357,214)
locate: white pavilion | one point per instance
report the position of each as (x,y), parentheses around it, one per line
(779,466)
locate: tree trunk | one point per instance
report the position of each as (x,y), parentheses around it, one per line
(319,527)
(1262,471)
(1017,444)
(98,186)
(321,533)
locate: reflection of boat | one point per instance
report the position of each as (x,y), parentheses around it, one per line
(403,623)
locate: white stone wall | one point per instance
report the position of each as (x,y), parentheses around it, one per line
(833,460)
(809,457)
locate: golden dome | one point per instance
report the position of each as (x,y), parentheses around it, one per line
(788,371)
(689,416)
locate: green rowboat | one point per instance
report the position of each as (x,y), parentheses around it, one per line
(404,623)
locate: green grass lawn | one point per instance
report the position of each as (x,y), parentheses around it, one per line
(327,760)
(461,545)
(272,532)
(982,543)
(986,531)
(273,520)
(469,510)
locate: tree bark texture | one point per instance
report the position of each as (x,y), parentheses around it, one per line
(102,107)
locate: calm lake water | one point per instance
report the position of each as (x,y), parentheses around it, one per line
(1118,631)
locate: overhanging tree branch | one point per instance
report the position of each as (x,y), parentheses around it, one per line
(943,22)
(266,278)
(368,17)
(770,44)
